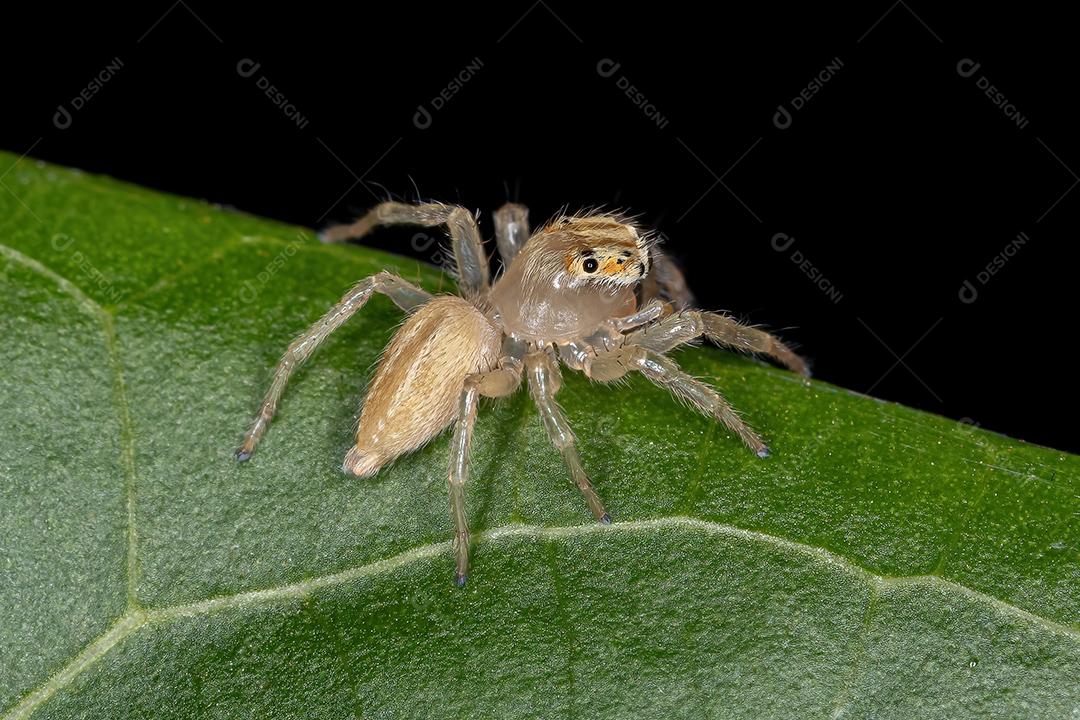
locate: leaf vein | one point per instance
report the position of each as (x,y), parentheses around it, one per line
(304,587)
(127,453)
(93,652)
(843,695)
(137,618)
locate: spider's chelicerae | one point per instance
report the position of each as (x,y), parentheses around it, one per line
(589,290)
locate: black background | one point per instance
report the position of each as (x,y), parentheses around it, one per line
(899,179)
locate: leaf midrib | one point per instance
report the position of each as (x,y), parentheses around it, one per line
(137,618)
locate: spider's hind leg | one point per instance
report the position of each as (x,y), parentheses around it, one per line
(544,382)
(406,295)
(469,258)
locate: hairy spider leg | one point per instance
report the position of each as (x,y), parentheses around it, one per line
(404,294)
(501,381)
(610,365)
(687,326)
(469,258)
(544,382)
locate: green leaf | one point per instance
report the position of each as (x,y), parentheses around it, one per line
(882,563)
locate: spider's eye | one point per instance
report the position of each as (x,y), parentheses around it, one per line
(590,265)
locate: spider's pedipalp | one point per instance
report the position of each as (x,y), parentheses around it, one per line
(574,354)
(610,365)
(511,230)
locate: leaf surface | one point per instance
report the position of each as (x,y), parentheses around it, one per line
(882,563)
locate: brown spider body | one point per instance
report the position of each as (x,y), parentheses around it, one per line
(578,291)
(547,295)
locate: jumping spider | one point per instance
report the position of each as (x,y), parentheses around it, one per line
(579,291)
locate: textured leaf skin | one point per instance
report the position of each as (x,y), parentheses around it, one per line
(882,563)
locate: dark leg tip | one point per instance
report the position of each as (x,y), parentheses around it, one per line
(763,452)
(459,579)
(242,455)
(605,519)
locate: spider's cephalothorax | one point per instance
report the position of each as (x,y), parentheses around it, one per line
(589,290)
(569,278)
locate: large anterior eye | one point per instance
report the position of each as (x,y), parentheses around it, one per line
(590,265)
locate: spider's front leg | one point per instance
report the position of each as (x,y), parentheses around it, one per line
(499,382)
(681,328)
(544,382)
(609,365)
(404,294)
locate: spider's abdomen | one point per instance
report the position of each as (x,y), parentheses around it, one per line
(414,394)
